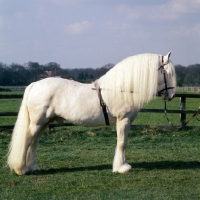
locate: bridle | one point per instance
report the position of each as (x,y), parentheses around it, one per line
(165,90)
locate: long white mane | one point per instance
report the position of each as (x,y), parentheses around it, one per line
(132,81)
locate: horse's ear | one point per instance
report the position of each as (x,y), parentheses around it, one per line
(168,55)
(166,58)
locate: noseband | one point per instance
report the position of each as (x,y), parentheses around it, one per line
(165,90)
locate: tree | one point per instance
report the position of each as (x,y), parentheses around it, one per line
(55,68)
(5,75)
(18,74)
(34,70)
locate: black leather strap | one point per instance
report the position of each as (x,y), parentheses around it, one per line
(102,103)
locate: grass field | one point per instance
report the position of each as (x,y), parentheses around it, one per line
(76,162)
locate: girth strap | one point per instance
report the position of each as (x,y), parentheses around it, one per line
(102,103)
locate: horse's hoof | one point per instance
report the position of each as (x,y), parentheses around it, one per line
(36,172)
(125,168)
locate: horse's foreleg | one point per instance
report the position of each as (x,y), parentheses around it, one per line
(119,163)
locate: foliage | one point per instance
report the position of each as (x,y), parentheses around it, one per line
(87,75)
(189,76)
(76,163)
(16,74)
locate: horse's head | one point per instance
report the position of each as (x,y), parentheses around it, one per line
(166,78)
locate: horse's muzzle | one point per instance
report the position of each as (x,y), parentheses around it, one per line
(167,97)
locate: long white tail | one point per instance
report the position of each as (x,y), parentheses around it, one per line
(16,155)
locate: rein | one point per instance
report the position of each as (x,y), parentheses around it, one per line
(195,115)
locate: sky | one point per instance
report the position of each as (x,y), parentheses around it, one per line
(93,33)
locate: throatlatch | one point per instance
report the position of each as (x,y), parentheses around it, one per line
(102,103)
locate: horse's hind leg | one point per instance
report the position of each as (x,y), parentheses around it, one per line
(18,152)
(119,163)
(36,131)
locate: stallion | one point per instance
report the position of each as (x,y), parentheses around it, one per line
(113,99)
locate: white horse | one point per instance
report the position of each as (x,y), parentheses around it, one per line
(122,91)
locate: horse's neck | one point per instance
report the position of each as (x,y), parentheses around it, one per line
(110,75)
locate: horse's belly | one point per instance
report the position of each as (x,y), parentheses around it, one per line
(86,117)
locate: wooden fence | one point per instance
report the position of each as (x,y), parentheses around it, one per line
(182,110)
(191,89)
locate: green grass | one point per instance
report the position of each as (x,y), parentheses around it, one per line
(76,163)
(160,119)
(12,92)
(9,105)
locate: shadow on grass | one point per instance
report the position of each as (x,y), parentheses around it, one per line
(162,165)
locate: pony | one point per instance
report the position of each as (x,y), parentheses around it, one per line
(116,98)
